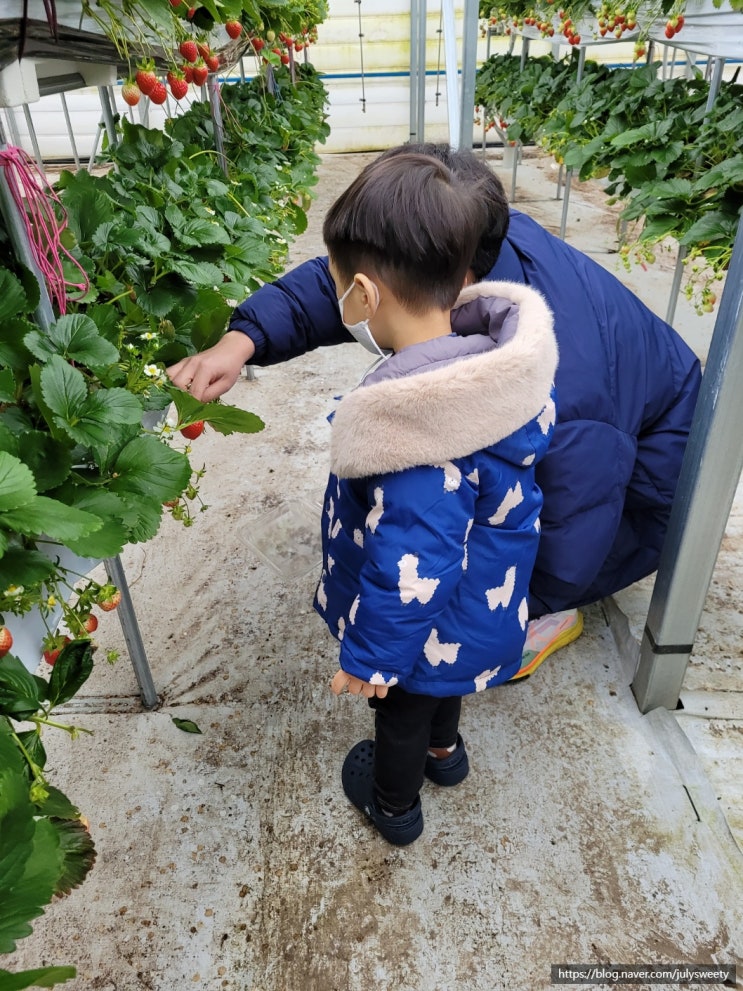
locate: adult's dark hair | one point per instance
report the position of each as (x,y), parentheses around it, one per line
(411,221)
(494,202)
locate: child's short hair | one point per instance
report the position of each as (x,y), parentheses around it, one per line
(411,222)
(471,168)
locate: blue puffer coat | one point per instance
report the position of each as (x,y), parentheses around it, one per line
(626,385)
(431,515)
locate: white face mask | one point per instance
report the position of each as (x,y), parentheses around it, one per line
(361,331)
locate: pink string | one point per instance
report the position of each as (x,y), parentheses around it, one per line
(35,200)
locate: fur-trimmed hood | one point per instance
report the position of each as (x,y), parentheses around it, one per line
(451,409)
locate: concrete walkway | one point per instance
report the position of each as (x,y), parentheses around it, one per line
(585,833)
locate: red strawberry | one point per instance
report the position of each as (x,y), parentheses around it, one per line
(203,49)
(193,430)
(190,13)
(6,640)
(111,601)
(200,72)
(130,93)
(55,648)
(189,50)
(257,43)
(178,86)
(285,59)
(146,79)
(234,29)
(212,62)
(187,71)
(175,3)
(158,93)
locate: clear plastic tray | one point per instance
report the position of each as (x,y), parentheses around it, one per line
(287,538)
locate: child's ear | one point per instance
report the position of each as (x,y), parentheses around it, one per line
(369,293)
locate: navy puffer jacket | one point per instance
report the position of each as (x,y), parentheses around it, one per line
(626,389)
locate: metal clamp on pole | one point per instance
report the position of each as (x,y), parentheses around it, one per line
(709,477)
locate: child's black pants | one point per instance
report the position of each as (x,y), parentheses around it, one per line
(406,726)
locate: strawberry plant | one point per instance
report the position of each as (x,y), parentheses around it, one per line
(673,164)
(595,18)
(45,847)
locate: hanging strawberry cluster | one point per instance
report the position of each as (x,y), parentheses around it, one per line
(586,20)
(171,44)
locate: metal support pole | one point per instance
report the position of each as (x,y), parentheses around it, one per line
(108,115)
(132,636)
(414,63)
(32,135)
(94,149)
(469,72)
(569,172)
(678,273)
(70,132)
(212,84)
(421,90)
(452,76)
(709,476)
(15,134)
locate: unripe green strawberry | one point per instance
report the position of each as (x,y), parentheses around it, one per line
(130,93)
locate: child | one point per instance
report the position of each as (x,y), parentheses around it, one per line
(431,514)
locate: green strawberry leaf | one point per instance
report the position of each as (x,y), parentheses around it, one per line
(75,338)
(40,977)
(49,460)
(94,419)
(187,725)
(19,692)
(19,566)
(13,299)
(17,486)
(196,272)
(78,852)
(40,859)
(224,419)
(147,467)
(196,232)
(7,386)
(57,805)
(71,671)
(49,516)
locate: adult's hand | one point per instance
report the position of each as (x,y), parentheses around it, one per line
(211,373)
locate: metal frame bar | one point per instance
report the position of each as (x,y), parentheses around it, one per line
(469,71)
(450,60)
(709,477)
(569,172)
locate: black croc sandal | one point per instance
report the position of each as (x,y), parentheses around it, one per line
(448,771)
(357,777)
